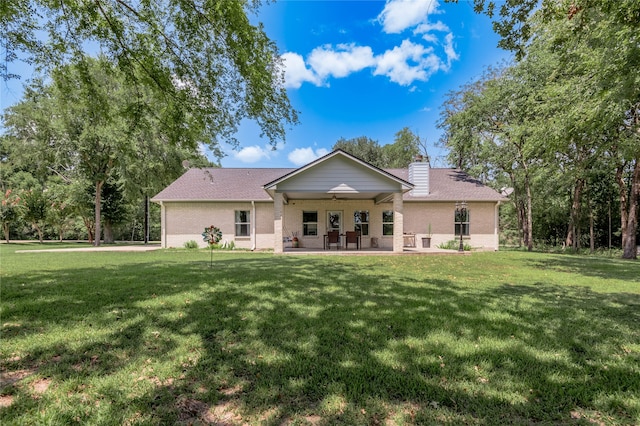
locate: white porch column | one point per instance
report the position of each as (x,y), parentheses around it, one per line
(278,207)
(398,222)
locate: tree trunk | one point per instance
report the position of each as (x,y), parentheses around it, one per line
(529,219)
(89,226)
(592,242)
(39,231)
(630,243)
(624,201)
(5,228)
(572,233)
(524,225)
(98,202)
(108,232)
(146,219)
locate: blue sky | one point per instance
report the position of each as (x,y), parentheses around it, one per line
(368,68)
(359,68)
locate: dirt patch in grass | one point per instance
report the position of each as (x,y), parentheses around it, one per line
(9,378)
(6,400)
(194,411)
(40,386)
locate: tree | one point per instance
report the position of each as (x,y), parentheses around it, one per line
(35,209)
(9,211)
(203,61)
(403,150)
(364,148)
(596,47)
(81,127)
(114,210)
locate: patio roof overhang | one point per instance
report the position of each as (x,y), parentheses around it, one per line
(338,176)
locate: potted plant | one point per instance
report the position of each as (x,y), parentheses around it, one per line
(295,243)
(426,240)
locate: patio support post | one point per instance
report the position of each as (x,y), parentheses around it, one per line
(278,208)
(398,222)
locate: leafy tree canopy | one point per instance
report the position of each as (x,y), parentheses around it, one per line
(202,59)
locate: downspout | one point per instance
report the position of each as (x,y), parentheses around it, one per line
(163,225)
(497,227)
(253,225)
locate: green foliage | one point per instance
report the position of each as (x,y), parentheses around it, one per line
(403,151)
(191,244)
(560,126)
(81,130)
(364,148)
(204,63)
(35,203)
(318,337)
(398,154)
(454,245)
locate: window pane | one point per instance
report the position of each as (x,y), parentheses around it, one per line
(387,229)
(387,216)
(361,216)
(363,228)
(310,229)
(309,217)
(242,216)
(242,230)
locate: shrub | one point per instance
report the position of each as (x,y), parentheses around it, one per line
(454,245)
(191,244)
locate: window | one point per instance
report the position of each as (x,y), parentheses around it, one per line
(361,221)
(462,221)
(243,222)
(387,222)
(310,223)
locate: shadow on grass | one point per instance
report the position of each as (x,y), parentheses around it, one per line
(263,339)
(591,266)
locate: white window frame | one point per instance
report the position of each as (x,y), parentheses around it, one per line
(239,223)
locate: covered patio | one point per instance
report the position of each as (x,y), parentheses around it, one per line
(326,192)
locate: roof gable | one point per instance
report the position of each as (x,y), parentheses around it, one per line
(339,172)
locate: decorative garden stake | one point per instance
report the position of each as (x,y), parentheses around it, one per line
(211,236)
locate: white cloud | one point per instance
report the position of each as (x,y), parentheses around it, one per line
(296,72)
(302,156)
(345,59)
(395,64)
(398,15)
(449,50)
(252,154)
(403,64)
(428,27)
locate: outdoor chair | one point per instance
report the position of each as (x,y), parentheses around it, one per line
(333,237)
(352,237)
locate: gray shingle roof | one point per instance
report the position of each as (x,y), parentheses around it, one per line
(221,184)
(451,185)
(246,184)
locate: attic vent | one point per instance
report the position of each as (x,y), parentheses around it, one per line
(419,176)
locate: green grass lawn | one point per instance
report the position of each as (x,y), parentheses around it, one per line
(162,338)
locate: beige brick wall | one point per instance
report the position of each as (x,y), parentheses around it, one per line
(186,221)
(441,216)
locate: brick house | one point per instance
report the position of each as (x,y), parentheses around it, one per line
(263,208)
